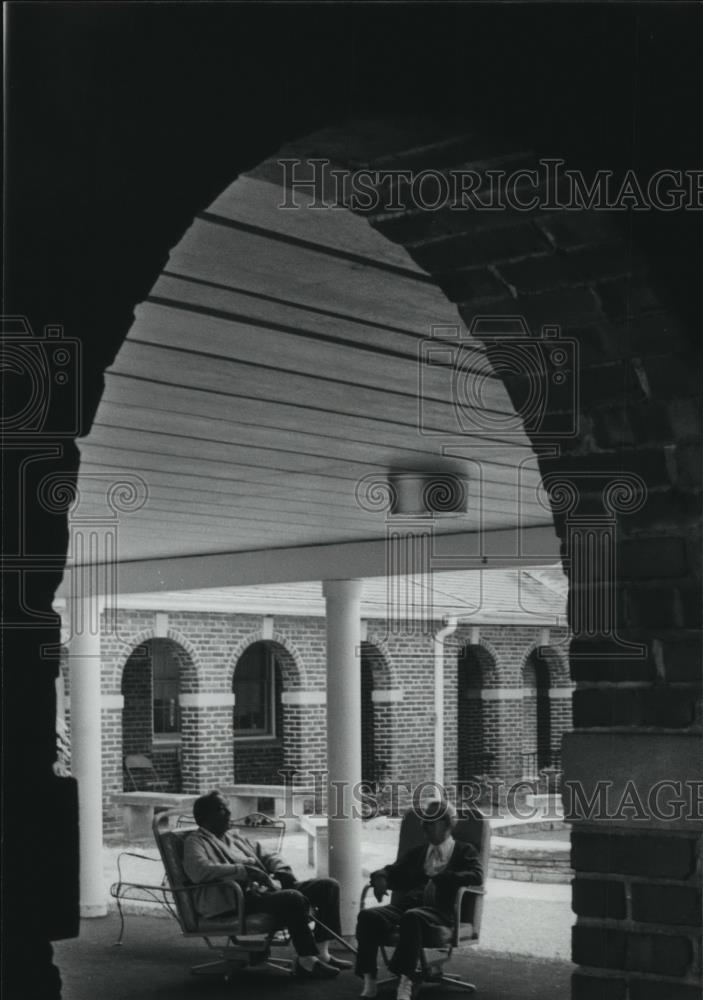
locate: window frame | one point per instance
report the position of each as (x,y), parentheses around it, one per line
(270,734)
(163,739)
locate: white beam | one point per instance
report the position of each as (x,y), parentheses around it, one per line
(459,551)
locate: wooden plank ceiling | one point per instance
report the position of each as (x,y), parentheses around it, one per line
(273,366)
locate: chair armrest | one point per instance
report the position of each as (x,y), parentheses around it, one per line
(476,890)
(364,893)
(231,886)
(462,891)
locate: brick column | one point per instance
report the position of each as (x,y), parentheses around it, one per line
(111,706)
(305,740)
(387,704)
(561,714)
(502,726)
(206,729)
(633,793)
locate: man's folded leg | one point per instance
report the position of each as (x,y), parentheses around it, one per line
(290,909)
(323,895)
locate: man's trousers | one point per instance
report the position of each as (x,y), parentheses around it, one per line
(415,924)
(291,909)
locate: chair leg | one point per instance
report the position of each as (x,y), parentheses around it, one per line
(452,981)
(387,981)
(220,968)
(285,964)
(119,910)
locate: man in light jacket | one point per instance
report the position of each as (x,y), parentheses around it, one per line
(212,854)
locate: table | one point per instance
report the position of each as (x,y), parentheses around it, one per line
(318,840)
(138,809)
(288,802)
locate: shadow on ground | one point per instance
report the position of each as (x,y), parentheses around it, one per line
(154,963)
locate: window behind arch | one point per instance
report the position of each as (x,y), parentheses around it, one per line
(166,675)
(254,691)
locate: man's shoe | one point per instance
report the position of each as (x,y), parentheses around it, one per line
(320,970)
(338,963)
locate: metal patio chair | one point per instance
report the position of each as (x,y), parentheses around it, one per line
(141,774)
(441,942)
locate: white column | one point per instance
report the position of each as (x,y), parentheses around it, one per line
(86,750)
(449,628)
(343,602)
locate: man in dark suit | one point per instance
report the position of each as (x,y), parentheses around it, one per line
(427,878)
(212,854)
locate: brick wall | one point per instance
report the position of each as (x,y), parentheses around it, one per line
(368,747)
(397,736)
(112,771)
(206,748)
(632,476)
(167,764)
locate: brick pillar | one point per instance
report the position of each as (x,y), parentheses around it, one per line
(387,703)
(206,729)
(305,740)
(633,791)
(561,715)
(502,729)
(453,753)
(112,754)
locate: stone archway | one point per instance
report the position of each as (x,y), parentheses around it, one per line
(154,676)
(536,723)
(480,740)
(546,708)
(377,716)
(296,716)
(258,726)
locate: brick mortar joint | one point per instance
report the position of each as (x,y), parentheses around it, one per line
(629,976)
(656,683)
(693,882)
(630,926)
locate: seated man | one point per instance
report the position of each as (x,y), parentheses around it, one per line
(212,854)
(428,877)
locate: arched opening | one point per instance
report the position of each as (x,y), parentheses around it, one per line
(257,715)
(477,735)
(536,751)
(152,681)
(376,718)
(368,742)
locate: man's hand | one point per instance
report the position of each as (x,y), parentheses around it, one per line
(287,879)
(259,877)
(379,884)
